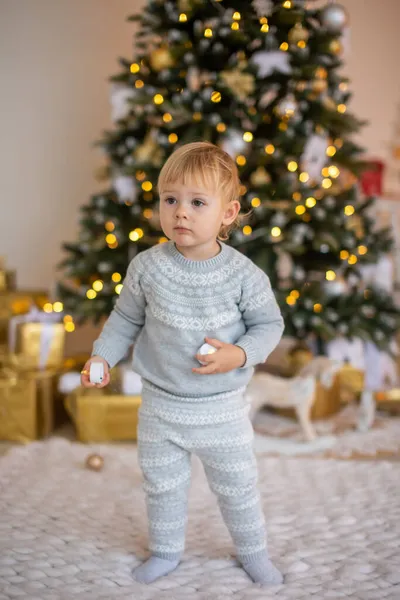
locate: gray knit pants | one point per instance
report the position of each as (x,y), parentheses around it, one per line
(218,430)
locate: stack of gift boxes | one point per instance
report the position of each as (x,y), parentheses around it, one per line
(36,379)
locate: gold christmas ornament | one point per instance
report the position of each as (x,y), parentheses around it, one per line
(95,462)
(355,223)
(321,73)
(298,34)
(241,84)
(329,103)
(301,86)
(149,151)
(335,47)
(319,85)
(160,59)
(260,177)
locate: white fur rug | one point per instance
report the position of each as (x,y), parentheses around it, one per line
(66,532)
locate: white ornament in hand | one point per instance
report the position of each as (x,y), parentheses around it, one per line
(96,373)
(206,349)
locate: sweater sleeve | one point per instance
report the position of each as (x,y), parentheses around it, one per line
(262,318)
(126,319)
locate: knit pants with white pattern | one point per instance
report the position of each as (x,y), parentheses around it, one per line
(218,430)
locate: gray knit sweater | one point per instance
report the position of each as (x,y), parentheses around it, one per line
(169,304)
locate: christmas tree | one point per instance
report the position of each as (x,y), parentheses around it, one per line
(262,79)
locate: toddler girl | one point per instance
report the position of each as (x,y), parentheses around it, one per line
(176,296)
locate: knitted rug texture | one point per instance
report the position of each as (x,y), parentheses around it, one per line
(68,532)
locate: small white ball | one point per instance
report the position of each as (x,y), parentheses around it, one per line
(206,349)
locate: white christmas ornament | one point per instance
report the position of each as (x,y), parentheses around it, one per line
(234,143)
(263,8)
(334,18)
(96,372)
(267,62)
(120,97)
(206,349)
(125,188)
(313,158)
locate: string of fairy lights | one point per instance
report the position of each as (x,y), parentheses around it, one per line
(304,203)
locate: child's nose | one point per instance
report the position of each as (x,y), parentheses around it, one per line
(180,211)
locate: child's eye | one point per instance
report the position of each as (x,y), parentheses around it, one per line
(197,202)
(170,200)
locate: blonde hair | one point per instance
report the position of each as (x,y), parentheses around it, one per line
(209,166)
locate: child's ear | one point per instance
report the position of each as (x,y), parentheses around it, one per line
(231,212)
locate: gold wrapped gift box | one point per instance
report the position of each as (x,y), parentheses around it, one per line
(18,302)
(26,402)
(28,343)
(102,416)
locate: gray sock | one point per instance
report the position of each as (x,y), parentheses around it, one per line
(261,570)
(153,568)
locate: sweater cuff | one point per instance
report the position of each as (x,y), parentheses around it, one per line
(100,349)
(251,354)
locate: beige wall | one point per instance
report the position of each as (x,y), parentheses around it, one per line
(56,56)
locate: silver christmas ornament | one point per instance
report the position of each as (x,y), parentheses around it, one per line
(189,58)
(215,118)
(287,107)
(204,44)
(104,267)
(263,8)
(130,142)
(174,35)
(334,18)
(218,48)
(197,104)
(100,202)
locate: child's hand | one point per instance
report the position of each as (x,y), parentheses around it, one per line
(226,358)
(85,381)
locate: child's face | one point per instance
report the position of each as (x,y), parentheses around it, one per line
(192,216)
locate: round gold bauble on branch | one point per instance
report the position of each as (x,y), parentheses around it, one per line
(335,47)
(355,223)
(298,34)
(160,59)
(301,85)
(319,85)
(260,177)
(241,84)
(329,103)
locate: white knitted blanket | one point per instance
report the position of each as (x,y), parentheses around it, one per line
(67,532)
